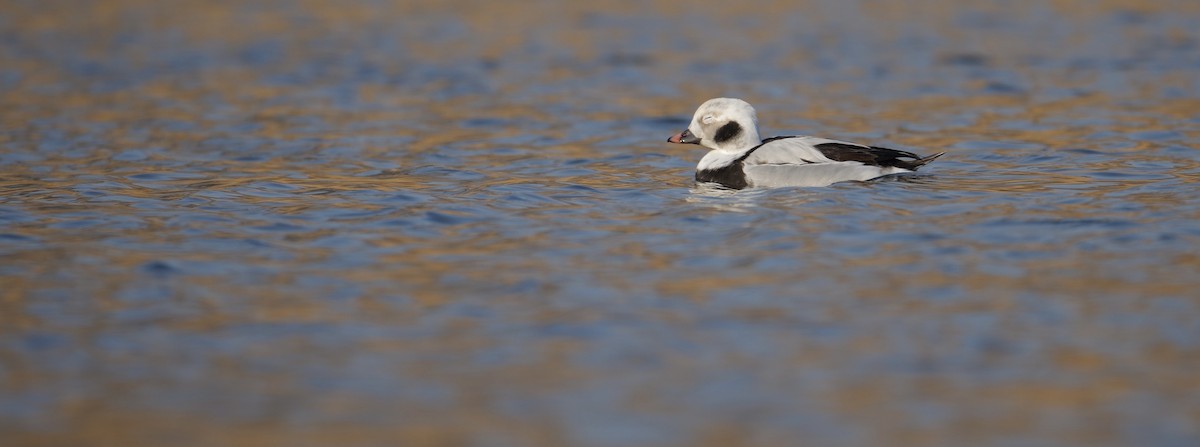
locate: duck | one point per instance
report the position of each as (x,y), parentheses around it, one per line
(739,159)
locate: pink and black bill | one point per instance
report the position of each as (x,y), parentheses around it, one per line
(684,137)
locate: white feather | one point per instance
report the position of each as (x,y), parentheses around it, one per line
(718,158)
(817,174)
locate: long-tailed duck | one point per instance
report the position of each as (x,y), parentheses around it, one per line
(740,159)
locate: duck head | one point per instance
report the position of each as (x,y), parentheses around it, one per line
(724,124)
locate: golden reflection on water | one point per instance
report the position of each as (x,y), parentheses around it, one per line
(444,223)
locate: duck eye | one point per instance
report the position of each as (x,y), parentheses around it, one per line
(707,119)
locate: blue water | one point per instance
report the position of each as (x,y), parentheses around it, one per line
(459,224)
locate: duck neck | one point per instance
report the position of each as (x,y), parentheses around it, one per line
(744,141)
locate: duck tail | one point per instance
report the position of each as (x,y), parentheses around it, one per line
(924,161)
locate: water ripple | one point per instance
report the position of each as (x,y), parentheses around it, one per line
(434,223)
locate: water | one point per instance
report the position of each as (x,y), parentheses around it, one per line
(458,223)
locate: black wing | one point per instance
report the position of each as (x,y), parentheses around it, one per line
(874,156)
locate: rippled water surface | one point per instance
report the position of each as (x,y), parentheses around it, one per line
(458,223)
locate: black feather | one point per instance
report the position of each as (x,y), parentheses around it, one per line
(728,132)
(873,156)
(729,176)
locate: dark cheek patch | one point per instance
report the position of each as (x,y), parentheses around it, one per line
(728,132)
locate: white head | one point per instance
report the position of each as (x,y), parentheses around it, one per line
(725,124)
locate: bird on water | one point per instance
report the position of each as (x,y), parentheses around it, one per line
(740,159)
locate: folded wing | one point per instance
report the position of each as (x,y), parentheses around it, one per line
(813,150)
(813,161)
